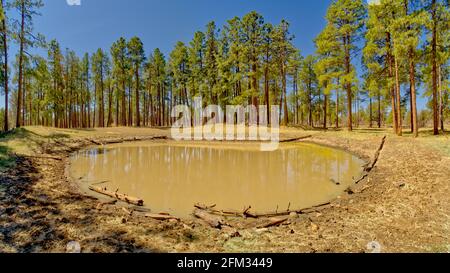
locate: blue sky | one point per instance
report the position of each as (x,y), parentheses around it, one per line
(161,23)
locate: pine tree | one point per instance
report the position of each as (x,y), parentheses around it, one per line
(100,71)
(4,54)
(252,37)
(27,9)
(121,63)
(137,57)
(284,50)
(197,64)
(329,66)
(346,19)
(211,51)
(179,66)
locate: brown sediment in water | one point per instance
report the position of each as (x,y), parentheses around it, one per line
(173,176)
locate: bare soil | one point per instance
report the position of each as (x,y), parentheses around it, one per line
(403,204)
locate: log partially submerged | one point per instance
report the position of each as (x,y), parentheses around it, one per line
(248,214)
(295,139)
(212,220)
(118,196)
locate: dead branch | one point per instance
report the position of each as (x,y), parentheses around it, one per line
(274,222)
(119,196)
(161,217)
(211,220)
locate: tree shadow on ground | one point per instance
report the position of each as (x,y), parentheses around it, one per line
(38,214)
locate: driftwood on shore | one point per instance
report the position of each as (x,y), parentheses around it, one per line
(370,166)
(212,220)
(247,214)
(274,222)
(41,157)
(122,140)
(161,216)
(295,139)
(118,196)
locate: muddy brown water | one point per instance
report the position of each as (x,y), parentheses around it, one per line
(171,177)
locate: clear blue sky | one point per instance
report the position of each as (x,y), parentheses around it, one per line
(161,23)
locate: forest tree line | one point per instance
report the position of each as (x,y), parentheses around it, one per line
(401,45)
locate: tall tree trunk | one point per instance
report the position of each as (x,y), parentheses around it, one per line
(412,82)
(5,70)
(348,84)
(325,111)
(441,100)
(266,93)
(393,88)
(21,52)
(124,102)
(110,102)
(117,106)
(102,102)
(286,111)
(337,105)
(297,106)
(310,114)
(138,112)
(370,113)
(435,68)
(379,109)
(398,95)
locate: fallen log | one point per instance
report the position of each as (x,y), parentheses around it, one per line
(102,204)
(119,196)
(204,207)
(274,222)
(295,139)
(41,157)
(161,217)
(377,155)
(248,214)
(211,220)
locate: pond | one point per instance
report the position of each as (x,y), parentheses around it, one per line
(173,176)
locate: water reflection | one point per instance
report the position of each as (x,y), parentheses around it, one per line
(171,178)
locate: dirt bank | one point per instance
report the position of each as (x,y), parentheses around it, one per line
(402,204)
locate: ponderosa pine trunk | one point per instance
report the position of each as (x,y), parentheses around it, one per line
(370,113)
(412,82)
(5,70)
(286,111)
(337,105)
(392,88)
(398,97)
(138,112)
(325,111)
(19,119)
(441,99)
(348,84)
(266,93)
(435,68)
